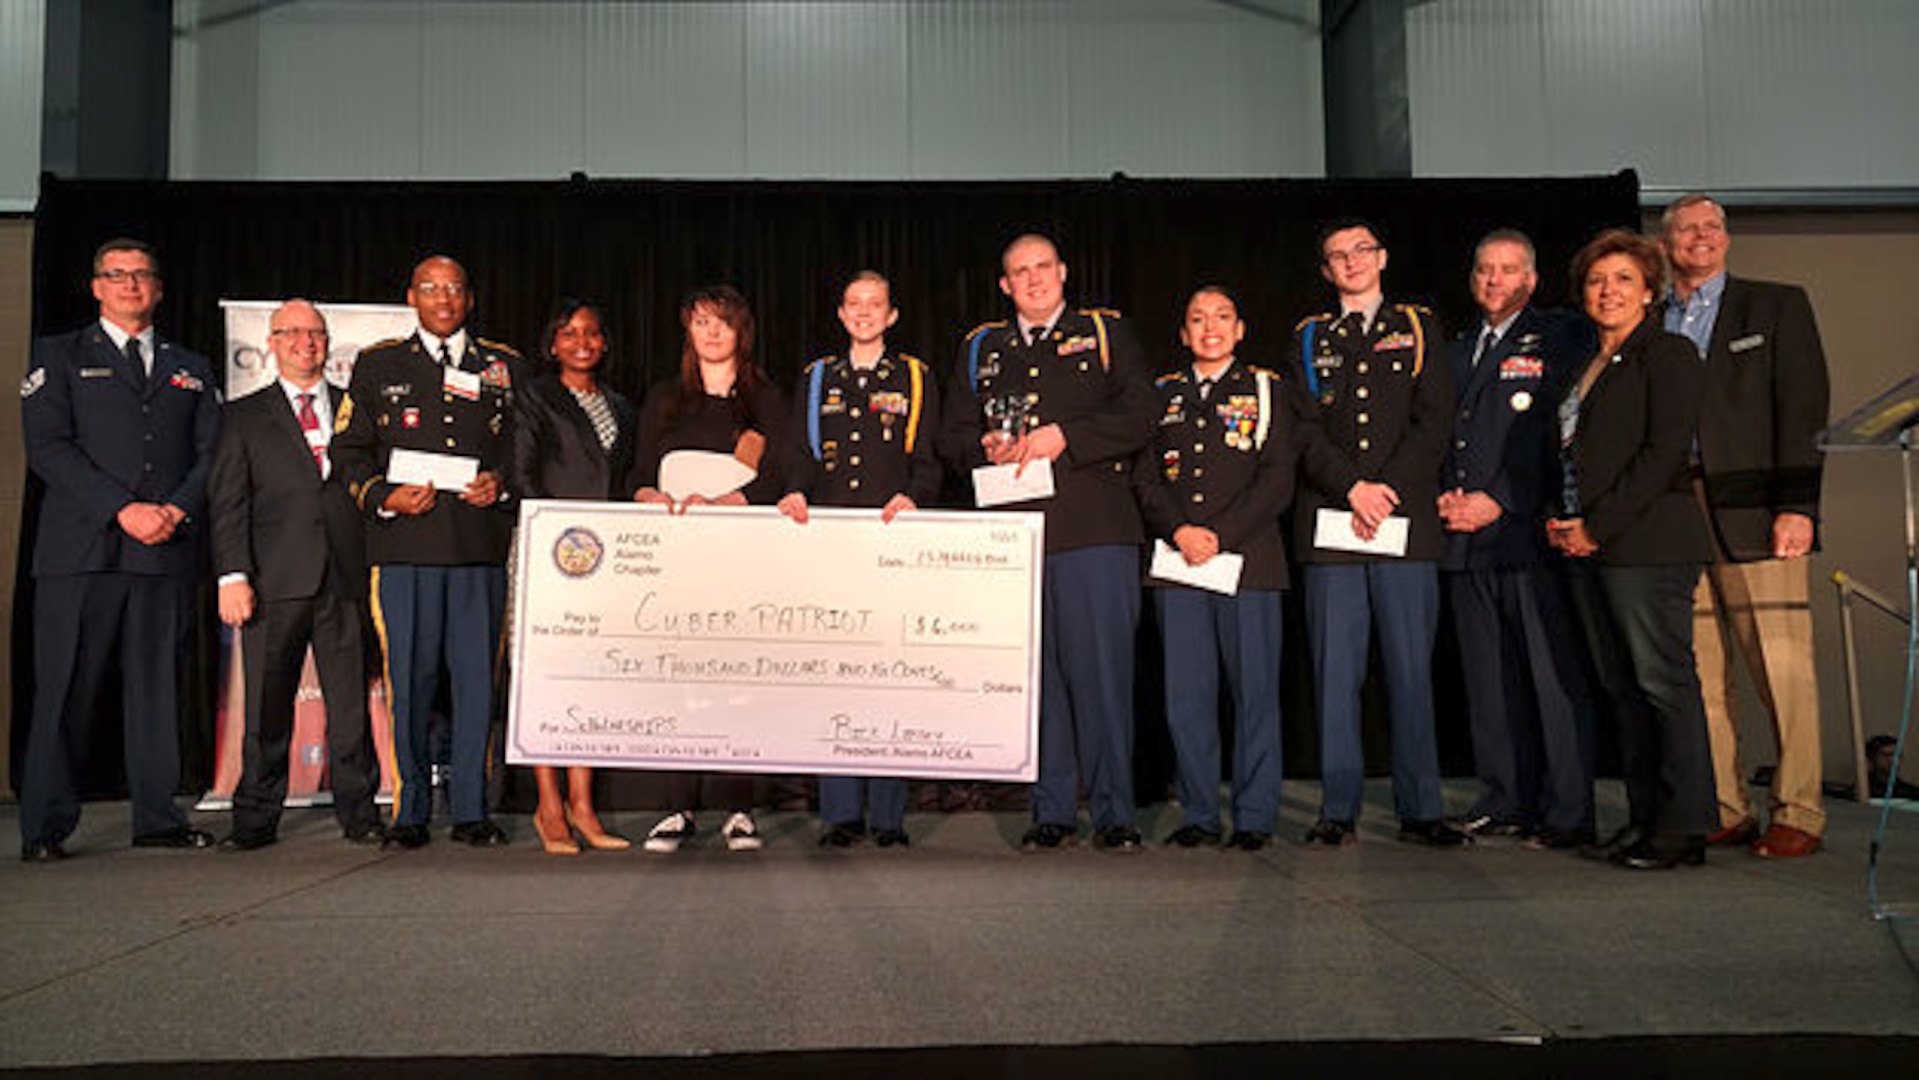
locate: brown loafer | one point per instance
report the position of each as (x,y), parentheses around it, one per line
(1786,842)
(1738,834)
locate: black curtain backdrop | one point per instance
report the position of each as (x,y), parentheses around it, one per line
(1140,246)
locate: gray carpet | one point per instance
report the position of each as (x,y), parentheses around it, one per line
(316,949)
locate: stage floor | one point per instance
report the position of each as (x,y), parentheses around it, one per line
(314,948)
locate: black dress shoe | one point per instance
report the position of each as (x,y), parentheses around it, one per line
(1491,826)
(892,838)
(408,837)
(42,851)
(1548,838)
(1249,841)
(842,836)
(180,836)
(1432,834)
(1118,840)
(1192,836)
(248,839)
(1612,845)
(1049,837)
(1662,854)
(1332,834)
(370,832)
(481,833)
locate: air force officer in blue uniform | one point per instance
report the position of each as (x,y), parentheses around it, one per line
(120,425)
(1497,485)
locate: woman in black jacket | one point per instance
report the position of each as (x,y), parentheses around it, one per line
(722,402)
(1636,542)
(572,439)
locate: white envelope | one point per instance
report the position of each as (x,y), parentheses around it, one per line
(446,472)
(1333,530)
(706,473)
(996,485)
(1218,574)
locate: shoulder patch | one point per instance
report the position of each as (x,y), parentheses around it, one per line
(819,361)
(1256,371)
(910,360)
(35,379)
(1414,309)
(345,415)
(995,324)
(1319,318)
(1110,313)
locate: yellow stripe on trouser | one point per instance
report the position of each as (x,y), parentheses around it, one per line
(392,766)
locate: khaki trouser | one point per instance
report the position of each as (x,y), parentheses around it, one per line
(1764,607)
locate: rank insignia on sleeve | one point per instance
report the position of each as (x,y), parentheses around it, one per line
(345,414)
(35,379)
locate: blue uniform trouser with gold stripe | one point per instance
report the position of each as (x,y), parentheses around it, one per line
(1089,618)
(1203,632)
(1345,603)
(426,616)
(878,801)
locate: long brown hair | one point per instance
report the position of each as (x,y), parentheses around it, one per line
(730,305)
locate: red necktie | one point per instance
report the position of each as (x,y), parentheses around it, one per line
(310,423)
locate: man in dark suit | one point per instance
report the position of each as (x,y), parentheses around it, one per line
(1373,378)
(1759,479)
(120,425)
(1072,387)
(291,559)
(1529,748)
(446,397)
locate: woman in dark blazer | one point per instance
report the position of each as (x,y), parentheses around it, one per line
(1636,541)
(572,439)
(721,401)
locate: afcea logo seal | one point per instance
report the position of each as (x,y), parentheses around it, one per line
(577,552)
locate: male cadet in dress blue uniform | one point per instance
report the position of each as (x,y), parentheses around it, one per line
(120,425)
(1378,387)
(1218,475)
(1499,479)
(1076,383)
(439,577)
(864,425)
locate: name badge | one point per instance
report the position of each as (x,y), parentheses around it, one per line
(1750,341)
(96,373)
(463,384)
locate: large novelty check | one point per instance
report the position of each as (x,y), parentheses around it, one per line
(733,639)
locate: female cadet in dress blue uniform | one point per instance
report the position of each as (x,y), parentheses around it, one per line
(721,401)
(862,435)
(1220,472)
(572,439)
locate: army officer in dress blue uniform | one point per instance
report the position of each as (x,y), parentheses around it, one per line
(1530,746)
(1374,381)
(1073,387)
(439,578)
(120,425)
(1219,472)
(863,432)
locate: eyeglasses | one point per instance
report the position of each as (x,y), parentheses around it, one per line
(1362,253)
(431,289)
(138,277)
(319,334)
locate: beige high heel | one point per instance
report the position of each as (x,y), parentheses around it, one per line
(562,844)
(597,838)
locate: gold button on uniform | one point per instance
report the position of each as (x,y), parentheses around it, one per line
(1365,444)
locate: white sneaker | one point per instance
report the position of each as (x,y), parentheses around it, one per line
(740,832)
(669,833)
